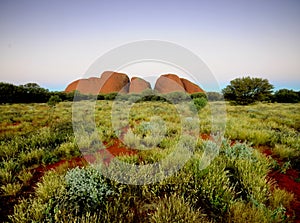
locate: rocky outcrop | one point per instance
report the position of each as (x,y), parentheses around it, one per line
(108,82)
(169,83)
(190,87)
(114,82)
(138,85)
(85,86)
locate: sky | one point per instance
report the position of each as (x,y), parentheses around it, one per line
(55,42)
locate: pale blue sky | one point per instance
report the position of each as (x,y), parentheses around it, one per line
(54,42)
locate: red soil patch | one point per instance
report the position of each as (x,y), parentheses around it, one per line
(116,149)
(287,182)
(38,172)
(205,136)
(72,163)
(267,152)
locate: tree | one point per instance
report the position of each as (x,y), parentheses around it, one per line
(286,96)
(247,90)
(31,85)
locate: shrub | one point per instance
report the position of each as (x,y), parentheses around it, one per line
(284,152)
(32,157)
(199,103)
(53,100)
(40,208)
(175,209)
(25,176)
(241,212)
(198,95)
(6,176)
(177,97)
(28,211)
(86,190)
(280,198)
(11,189)
(131,139)
(52,185)
(111,96)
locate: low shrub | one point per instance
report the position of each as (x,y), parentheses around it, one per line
(177,97)
(280,197)
(175,209)
(198,103)
(86,190)
(241,212)
(11,189)
(198,95)
(25,177)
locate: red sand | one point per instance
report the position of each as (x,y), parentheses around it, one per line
(117,149)
(287,182)
(205,136)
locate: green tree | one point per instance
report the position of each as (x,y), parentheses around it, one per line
(247,90)
(286,96)
(31,85)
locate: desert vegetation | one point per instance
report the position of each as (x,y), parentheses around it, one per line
(48,174)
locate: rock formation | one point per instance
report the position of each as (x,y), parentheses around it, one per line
(190,87)
(110,82)
(169,83)
(114,82)
(85,86)
(138,85)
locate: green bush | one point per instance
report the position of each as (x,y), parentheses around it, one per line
(198,95)
(175,209)
(111,96)
(86,190)
(199,103)
(53,100)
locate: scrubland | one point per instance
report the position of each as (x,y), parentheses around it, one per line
(48,173)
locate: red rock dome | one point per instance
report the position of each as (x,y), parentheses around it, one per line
(118,82)
(108,82)
(114,82)
(169,83)
(138,85)
(190,87)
